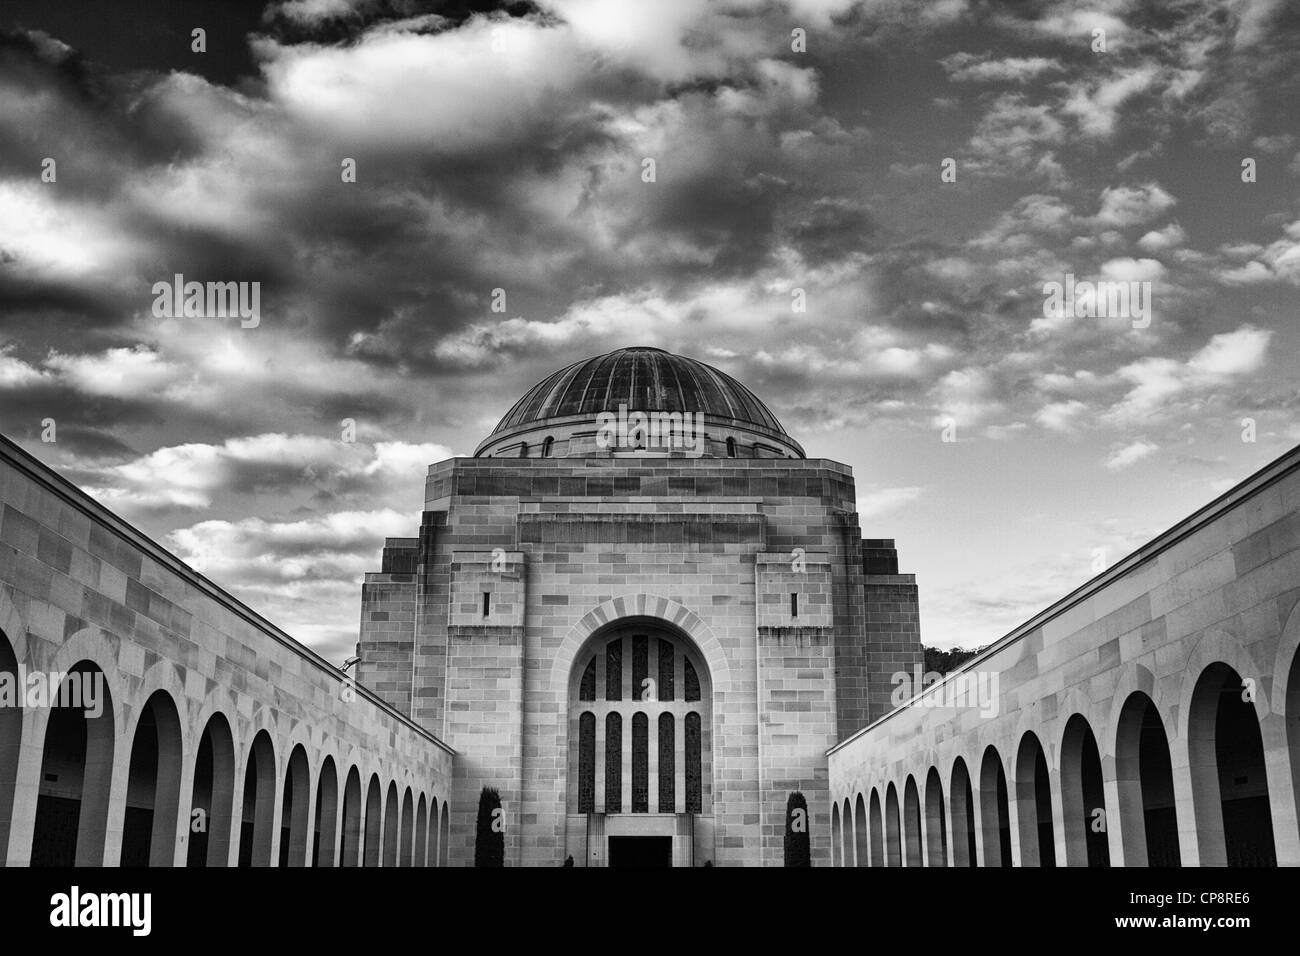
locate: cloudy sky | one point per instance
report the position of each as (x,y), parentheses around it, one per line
(503,147)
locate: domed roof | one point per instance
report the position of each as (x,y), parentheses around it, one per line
(643,379)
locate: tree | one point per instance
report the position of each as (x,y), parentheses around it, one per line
(490,832)
(798,851)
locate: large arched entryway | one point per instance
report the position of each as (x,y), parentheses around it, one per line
(153,787)
(11,736)
(213,802)
(1034,804)
(1234,819)
(640,731)
(1145,782)
(258,818)
(76,772)
(995,814)
(961,805)
(1083,797)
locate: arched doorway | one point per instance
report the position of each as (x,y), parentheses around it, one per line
(1083,797)
(294,810)
(154,786)
(962,809)
(325,825)
(640,767)
(860,832)
(936,833)
(877,830)
(407,833)
(444,835)
(911,822)
(11,737)
(1034,803)
(893,845)
(995,814)
(213,803)
(434,831)
(1145,781)
(76,772)
(837,843)
(391,822)
(374,819)
(419,853)
(350,837)
(255,826)
(1234,819)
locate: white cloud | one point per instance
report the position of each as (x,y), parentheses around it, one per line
(1161,240)
(1126,455)
(969,68)
(881,500)
(1123,206)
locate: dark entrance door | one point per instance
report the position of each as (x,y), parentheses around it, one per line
(640,851)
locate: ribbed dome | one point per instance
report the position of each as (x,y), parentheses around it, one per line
(643,379)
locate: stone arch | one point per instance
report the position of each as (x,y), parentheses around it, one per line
(156,761)
(295,806)
(1083,796)
(257,816)
(1034,803)
(1286,745)
(374,810)
(1148,820)
(877,830)
(837,850)
(995,812)
(860,836)
(911,822)
(406,834)
(11,719)
(325,814)
(213,796)
(1229,774)
(936,835)
(961,808)
(420,849)
(350,829)
(78,759)
(893,839)
(674,615)
(444,835)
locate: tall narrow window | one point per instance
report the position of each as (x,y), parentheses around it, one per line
(640,763)
(546,446)
(694,765)
(587,763)
(665,669)
(587,690)
(613,763)
(523,449)
(731,448)
(640,666)
(614,670)
(692,680)
(794,603)
(487,603)
(667,765)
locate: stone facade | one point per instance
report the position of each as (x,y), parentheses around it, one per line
(207,703)
(712,549)
(1149,717)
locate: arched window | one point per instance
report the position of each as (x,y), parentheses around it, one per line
(587,763)
(731,448)
(546,446)
(523,449)
(640,763)
(694,764)
(667,754)
(613,763)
